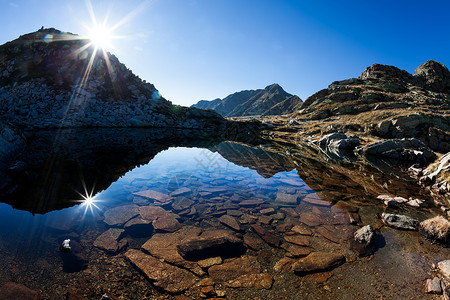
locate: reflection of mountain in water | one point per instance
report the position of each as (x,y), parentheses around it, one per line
(266,163)
(54,165)
(334,178)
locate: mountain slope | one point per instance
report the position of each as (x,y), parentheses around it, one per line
(51,79)
(272,100)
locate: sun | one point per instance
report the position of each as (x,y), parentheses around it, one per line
(101,36)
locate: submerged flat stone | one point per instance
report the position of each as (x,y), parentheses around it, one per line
(300,240)
(318,261)
(311,219)
(153,195)
(259,281)
(181,192)
(121,214)
(164,246)
(170,278)
(267,236)
(230,222)
(251,202)
(210,244)
(109,240)
(162,219)
(234,268)
(287,199)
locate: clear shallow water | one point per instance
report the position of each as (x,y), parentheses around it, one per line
(214,187)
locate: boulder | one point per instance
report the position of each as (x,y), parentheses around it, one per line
(434,74)
(340,141)
(365,235)
(436,229)
(443,268)
(399,221)
(318,261)
(170,278)
(406,149)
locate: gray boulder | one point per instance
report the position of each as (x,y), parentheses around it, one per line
(407,149)
(399,221)
(339,141)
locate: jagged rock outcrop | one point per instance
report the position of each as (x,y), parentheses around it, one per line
(272,100)
(51,79)
(387,102)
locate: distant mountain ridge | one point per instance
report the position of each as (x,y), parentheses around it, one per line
(272,100)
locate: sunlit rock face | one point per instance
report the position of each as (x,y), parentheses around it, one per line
(54,79)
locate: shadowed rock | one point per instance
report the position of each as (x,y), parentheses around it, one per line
(211,244)
(399,221)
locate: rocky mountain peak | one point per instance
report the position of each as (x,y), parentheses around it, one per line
(435,75)
(51,78)
(377,71)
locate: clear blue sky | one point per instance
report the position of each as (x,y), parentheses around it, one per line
(205,49)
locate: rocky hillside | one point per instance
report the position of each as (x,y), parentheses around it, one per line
(51,79)
(385,102)
(272,100)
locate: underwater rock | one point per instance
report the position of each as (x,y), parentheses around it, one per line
(300,240)
(153,195)
(259,281)
(109,240)
(121,214)
(170,278)
(210,244)
(399,221)
(16,291)
(267,236)
(139,227)
(234,268)
(230,222)
(318,261)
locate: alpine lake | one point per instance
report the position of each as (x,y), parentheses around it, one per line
(165,214)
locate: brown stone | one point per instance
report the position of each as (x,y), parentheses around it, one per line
(152,212)
(286,199)
(15,291)
(167,223)
(314,199)
(259,281)
(153,195)
(109,240)
(266,220)
(319,277)
(206,263)
(267,236)
(302,229)
(300,240)
(170,278)
(121,214)
(283,265)
(164,246)
(230,222)
(311,219)
(207,291)
(253,242)
(251,202)
(211,243)
(234,268)
(335,234)
(318,261)
(295,251)
(289,211)
(267,211)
